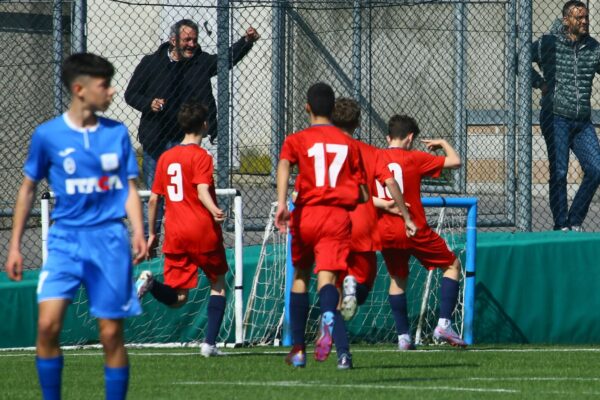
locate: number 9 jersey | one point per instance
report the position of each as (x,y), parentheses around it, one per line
(189,226)
(329,164)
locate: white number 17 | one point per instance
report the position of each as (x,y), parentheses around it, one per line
(318,152)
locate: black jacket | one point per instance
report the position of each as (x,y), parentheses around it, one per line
(158,77)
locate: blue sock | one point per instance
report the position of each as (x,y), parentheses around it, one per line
(116,381)
(328,299)
(362,291)
(163,293)
(399,312)
(49,373)
(298,316)
(216,310)
(448,297)
(340,336)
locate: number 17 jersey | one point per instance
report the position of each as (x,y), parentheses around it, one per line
(189,226)
(329,164)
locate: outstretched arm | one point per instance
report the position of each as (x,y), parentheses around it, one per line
(133,206)
(452,160)
(14,262)
(282,216)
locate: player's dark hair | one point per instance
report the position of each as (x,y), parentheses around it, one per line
(566,10)
(176,28)
(321,99)
(346,114)
(192,116)
(85,64)
(399,126)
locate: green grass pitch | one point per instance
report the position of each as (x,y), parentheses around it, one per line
(515,372)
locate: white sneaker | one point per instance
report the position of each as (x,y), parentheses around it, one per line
(144,283)
(577,228)
(405,343)
(349,303)
(209,350)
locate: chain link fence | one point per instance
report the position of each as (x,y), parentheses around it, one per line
(451,65)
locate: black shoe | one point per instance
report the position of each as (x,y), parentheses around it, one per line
(345,361)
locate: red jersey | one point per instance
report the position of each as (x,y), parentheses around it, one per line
(409,167)
(365,235)
(189,226)
(330,168)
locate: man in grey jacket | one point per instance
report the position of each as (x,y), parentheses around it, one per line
(568,59)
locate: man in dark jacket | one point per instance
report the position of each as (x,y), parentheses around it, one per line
(179,71)
(569,59)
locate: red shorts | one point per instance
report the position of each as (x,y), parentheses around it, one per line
(320,235)
(363,266)
(426,246)
(181,270)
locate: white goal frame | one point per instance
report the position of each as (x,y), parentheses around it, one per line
(238,248)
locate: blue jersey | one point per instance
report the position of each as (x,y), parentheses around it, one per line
(87,169)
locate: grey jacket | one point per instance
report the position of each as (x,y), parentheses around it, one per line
(568,69)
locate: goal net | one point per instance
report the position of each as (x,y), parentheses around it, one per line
(266,319)
(158,323)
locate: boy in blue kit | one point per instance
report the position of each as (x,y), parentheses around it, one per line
(91,168)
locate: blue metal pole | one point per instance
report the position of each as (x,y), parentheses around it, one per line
(277,85)
(286,338)
(460,119)
(356,55)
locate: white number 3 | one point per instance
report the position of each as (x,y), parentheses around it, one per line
(175,189)
(318,152)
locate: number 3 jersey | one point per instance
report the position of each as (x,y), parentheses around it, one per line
(87,169)
(330,167)
(189,226)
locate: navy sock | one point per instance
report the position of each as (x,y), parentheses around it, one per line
(328,298)
(163,293)
(216,310)
(399,312)
(49,373)
(340,336)
(448,297)
(362,291)
(298,316)
(116,381)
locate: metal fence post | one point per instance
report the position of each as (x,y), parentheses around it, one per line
(223,132)
(57,54)
(79,26)
(460,120)
(277,84)
(524,117)
(356,53)
(511,111)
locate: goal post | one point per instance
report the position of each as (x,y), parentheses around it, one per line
(238,248)
(267,319)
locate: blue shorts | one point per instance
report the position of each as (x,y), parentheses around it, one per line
(98,257)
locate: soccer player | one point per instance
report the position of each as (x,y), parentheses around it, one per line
(330,183)
(362,262)
(193,236)
(409,167)
(91,168)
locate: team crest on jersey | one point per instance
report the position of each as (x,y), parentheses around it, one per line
(110,161)
(69,165)
(95,184)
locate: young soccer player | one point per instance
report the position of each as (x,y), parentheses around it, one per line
(362,263)
(330,183)
(362,267)
(91,167)
(193,236)
(409,167)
